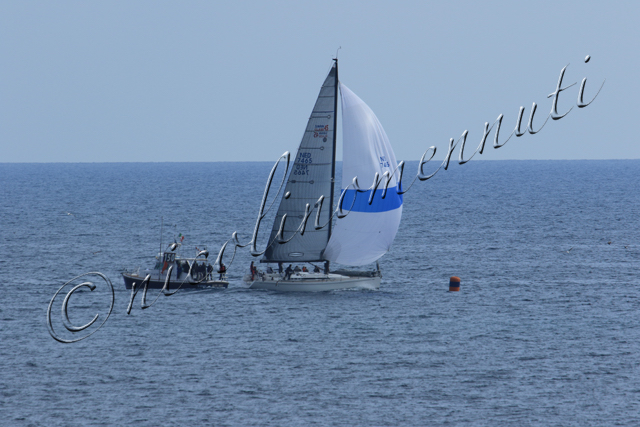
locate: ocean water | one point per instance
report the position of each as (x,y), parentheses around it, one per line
(544,332)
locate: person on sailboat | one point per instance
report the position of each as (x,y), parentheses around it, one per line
(253,271)
(305,269)
(316,269)
(288,272)
(297,269)
(222,271)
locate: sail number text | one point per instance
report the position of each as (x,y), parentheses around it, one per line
(301,170)
(304,158)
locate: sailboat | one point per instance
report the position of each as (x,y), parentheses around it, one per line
(372,217)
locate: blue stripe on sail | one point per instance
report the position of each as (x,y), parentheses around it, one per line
(391,201)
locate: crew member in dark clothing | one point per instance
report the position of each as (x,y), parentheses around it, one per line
(223,269)
(288,272)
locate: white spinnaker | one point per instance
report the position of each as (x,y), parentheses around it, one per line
(368,231)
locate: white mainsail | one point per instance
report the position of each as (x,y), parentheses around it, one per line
(312,176)
(369,229)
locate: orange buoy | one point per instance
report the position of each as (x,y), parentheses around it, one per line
(454,284)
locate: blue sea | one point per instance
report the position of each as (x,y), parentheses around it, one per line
(545,330)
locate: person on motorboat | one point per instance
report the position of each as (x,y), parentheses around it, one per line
(195,271)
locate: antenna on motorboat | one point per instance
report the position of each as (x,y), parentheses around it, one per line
(161,227)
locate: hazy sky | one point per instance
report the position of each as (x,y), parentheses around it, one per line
(152,81)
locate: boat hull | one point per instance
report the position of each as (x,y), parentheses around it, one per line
(130,279)
(311,282)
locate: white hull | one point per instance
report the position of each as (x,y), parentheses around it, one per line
(310,282)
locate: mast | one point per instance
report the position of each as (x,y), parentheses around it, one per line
(333,160)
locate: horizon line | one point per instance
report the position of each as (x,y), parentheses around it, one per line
(267,161)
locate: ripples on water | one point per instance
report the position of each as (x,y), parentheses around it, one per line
(544,331)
